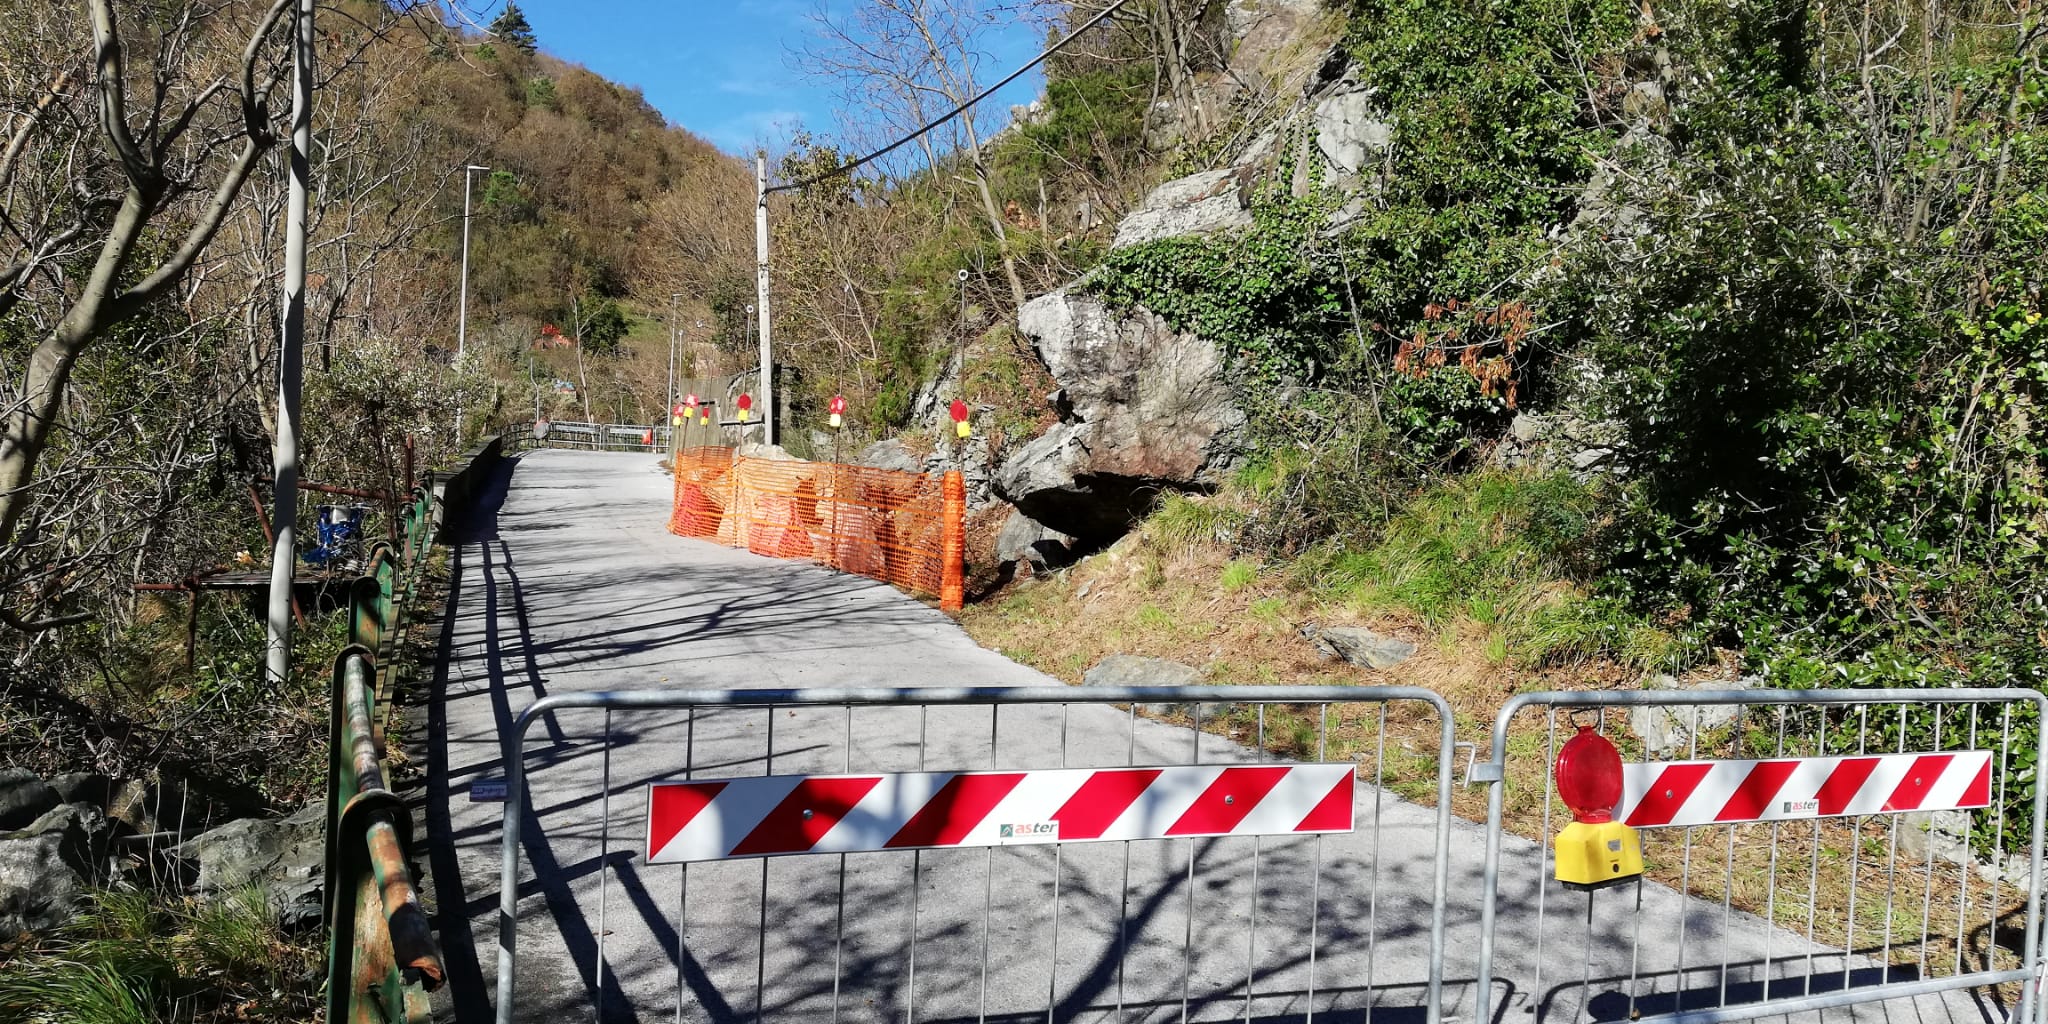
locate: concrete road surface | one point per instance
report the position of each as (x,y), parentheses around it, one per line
(569,582)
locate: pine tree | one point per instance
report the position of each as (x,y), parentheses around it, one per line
(512,28)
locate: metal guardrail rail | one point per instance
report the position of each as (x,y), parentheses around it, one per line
(381,955)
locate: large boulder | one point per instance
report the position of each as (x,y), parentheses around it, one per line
(1144,409)
(1199,204)
(1026,540)
(44,867)
(282,856)
(38,884)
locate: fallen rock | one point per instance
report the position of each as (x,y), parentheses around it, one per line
(282,856)
(24,797)
(1144,409)
(1199,204)
(1936,835)
(1134,670)
(1668,730)
(39,886)
(1359,646)
(1026,540)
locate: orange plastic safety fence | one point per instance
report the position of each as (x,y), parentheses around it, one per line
(901,528)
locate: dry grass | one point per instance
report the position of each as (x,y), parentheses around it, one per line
(1171,601)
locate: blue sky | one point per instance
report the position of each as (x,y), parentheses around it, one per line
(720,68)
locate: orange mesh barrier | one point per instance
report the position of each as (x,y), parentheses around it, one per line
(901,528)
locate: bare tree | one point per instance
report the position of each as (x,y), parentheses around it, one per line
(908,61)
(123,155)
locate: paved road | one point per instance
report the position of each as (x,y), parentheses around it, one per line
(570,583)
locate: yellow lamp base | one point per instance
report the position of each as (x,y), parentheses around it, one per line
(1597,856)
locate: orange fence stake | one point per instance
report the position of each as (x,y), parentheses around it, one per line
(953,544)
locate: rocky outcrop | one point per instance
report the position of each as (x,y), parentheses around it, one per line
(1199,204)
(1143,409)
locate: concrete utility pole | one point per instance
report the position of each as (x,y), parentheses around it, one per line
(761,295)
(462,302)
(284,455)
(674,310)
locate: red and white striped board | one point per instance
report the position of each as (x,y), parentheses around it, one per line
(1676,793)
(789,814)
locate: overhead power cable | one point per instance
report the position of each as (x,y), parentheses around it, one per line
(850,167)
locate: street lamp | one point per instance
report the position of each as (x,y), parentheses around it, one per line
(462,303)
(668,406)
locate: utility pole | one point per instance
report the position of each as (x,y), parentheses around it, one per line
(462,302)
(668,406)
(761,295)
(284,456)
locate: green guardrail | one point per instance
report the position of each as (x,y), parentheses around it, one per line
(381,954)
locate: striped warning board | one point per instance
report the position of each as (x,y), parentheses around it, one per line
(1676,793)
(787,814)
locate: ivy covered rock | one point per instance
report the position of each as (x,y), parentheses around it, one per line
(1199,204)
(1143,409)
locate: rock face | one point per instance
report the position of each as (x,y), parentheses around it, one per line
(1143,408)
(1359,646)
(1350,132)
(1199,204)
(44,866)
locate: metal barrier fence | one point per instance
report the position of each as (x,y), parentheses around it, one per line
(381,955)
(638,437)
(985,853)
(1890,842)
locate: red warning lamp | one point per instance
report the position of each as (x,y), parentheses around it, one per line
(1589,776)
(837,407)
(1594,851)
(676,414)
(959,413)
(746,406)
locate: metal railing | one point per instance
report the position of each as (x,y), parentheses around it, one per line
(1199,893)
(1822,849)
(611,437)
(381,954)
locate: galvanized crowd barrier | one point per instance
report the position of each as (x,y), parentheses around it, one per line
(1910,815)
(926,854)
(604,436)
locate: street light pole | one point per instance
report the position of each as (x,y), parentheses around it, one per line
(668,407)
(284,460)
(462,303)
(761,295)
